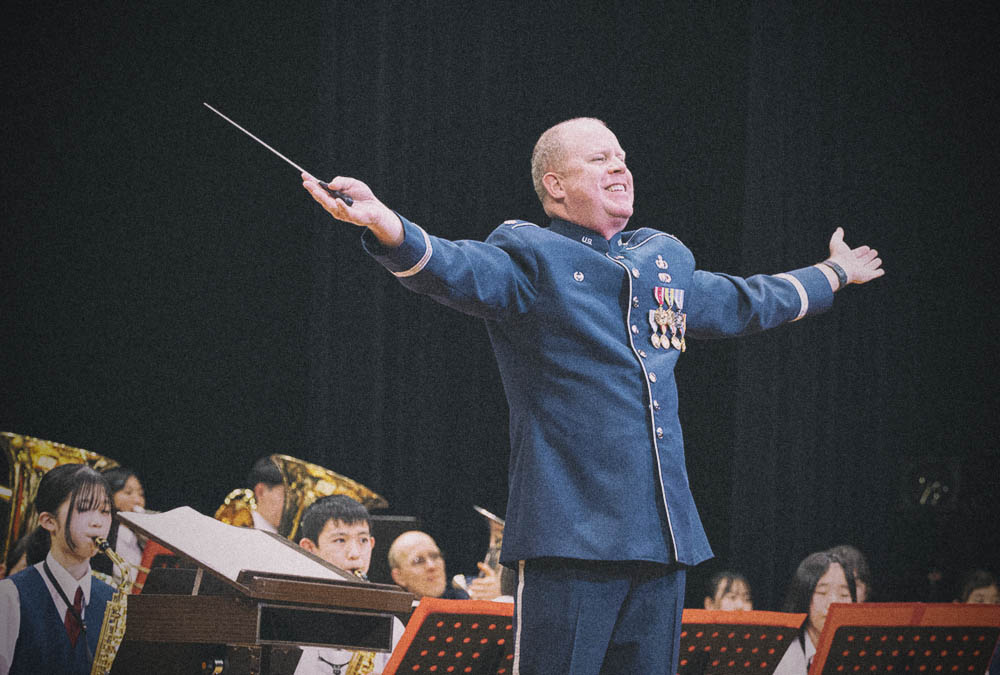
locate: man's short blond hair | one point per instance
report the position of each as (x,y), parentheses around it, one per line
(550,152)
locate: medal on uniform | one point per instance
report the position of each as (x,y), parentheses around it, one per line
(663,317)
(655,337)
(674,318)
(682,319)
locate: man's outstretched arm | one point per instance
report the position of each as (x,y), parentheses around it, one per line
(721,305)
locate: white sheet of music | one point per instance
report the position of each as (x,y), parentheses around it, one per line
(224,548)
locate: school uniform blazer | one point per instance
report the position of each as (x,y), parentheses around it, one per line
(597,466)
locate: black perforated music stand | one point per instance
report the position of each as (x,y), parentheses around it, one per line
(917,638)
(717,643)
(467,637)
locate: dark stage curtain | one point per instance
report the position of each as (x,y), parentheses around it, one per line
(174,299)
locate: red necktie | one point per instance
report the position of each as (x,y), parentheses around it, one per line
(72,623)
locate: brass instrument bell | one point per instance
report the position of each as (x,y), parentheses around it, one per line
(304,483)
(24,460)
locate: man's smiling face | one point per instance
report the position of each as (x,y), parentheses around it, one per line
(594,182)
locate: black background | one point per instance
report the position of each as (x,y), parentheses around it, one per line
(172,298)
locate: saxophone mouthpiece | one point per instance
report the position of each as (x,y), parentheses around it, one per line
(101,543)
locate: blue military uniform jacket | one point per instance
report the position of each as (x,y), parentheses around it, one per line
(597,466)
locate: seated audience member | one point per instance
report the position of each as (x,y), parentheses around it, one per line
(820,580)
(29,549)
(856,565)
(52,611)
(338,530)
(128,495)
(416,564)
(268,487)
(979,587)
(728,591)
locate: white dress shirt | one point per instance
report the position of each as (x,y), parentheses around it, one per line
(261,523)
(795,662)
(326,661)
(128,548)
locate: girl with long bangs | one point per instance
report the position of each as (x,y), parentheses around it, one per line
(820,580)
(52,611)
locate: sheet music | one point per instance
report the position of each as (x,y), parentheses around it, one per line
(224,548)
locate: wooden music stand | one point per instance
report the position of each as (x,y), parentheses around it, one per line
(914,637)
(249,600)
(716,643)
(465,637)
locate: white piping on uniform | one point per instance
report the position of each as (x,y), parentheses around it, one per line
(649,390)
(650,237)
(516,667)
(423,261)
(800,289)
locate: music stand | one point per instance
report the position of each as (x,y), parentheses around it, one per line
(714,642)
(907,638)
(466,637)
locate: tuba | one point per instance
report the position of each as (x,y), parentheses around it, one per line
(24,460)
(304,483)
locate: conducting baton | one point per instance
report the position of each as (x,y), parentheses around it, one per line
(336,193)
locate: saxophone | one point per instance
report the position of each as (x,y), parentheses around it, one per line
(113,626)
(361,663)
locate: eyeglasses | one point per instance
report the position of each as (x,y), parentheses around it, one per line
(421,560)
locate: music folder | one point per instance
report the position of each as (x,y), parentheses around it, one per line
(911,637)
(714,642)
(472,637)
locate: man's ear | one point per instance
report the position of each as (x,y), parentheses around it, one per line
(708,603)
(48,521)
(394,572)
(553,185)
(307,544)
(258,490)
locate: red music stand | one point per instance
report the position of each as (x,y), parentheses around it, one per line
(715,642)
(918,638)
(467,637)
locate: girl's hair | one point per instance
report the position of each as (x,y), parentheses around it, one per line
(808,574)
(726,579)
(117,477)
(82,486)
(32,547)
(973,580)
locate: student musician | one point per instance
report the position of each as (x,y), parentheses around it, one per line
(338,530)
(51,612)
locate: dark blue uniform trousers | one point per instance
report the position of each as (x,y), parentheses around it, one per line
(579,617)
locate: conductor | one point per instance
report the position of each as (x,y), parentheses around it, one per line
(587,321)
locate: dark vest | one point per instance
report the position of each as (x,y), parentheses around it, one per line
(43,646)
